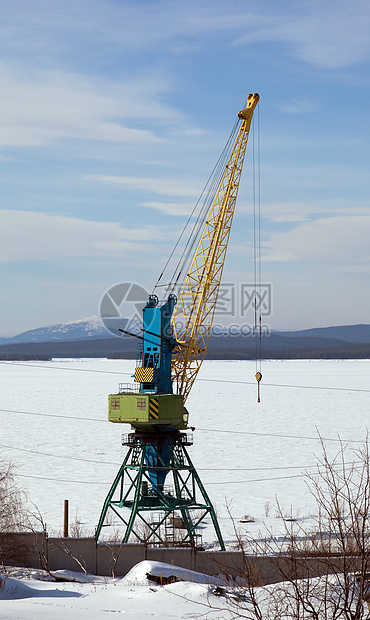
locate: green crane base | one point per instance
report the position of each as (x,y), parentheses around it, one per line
(152,509)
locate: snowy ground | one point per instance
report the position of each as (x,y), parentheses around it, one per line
(25,595)
(156,590)
(54,427)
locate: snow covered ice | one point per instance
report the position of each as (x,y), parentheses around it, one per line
(246,453)
(55,429)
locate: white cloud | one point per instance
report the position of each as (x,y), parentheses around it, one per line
(38,108)
(303,211)
(322,33)
(30,235)
(356,268)
(41,105)
(164,187)
(170,208)
(336,239)
(284,212)
(122,25)
(297,106)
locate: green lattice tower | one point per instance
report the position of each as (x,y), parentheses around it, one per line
(146,506)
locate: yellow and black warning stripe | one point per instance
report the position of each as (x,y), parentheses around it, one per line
(153,408)
(144,375)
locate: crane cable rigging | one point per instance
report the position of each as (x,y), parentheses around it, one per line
(205,207)
(203,203)
(256,168)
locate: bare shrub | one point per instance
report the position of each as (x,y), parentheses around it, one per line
(76,529)
(324,572)
(12,513)
(267,508)
(80,560)
(13,516)
(37,526)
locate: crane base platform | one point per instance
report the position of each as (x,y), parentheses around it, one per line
(157,497)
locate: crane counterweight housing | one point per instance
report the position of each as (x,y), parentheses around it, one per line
(147,412)
(175,338)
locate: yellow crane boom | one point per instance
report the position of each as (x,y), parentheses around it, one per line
(174,345)
(193,317)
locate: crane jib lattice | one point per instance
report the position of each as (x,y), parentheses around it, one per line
(157,484)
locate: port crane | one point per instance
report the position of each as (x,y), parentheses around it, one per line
(175,336)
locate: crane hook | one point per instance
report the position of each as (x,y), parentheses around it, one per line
(258,376)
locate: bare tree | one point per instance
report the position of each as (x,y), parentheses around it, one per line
(36,524)
(13,516)
(341,488)
(324,570)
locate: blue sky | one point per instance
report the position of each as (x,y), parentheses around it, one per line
(113,114)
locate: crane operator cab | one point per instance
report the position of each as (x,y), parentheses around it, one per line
(151,405)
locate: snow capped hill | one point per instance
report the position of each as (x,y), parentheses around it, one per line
(348,341)
(90,327)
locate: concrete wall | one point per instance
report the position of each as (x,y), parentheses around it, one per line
(23,549)
(83,554)
(118,560)
(186,558)
(220,562)
(76,554)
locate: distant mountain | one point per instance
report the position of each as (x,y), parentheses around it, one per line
(359,334)
(91,327)
(275,341)
(89,338)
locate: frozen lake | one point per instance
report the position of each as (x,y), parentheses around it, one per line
(54,427)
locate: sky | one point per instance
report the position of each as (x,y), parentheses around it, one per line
(114,113)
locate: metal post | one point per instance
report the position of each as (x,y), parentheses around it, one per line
(65,527)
